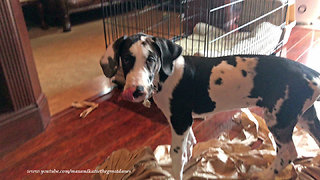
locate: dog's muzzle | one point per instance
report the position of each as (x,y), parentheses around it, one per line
(134,94)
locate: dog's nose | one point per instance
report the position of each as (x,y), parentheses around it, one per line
(138,92)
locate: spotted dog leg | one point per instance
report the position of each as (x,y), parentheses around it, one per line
(178,152)
(191,141)
(311,124)
(286,151)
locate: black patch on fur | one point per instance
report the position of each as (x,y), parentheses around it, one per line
(159,87)
(180,106)
(244,73)
(218,81)
(110,59)
(278,145)
(176,150)
(127,63)
(167,51)
(126,57)
(273,76)
(162,76)
(231,60)
(276,171)
(151,62)
(151,77)
(289,161)
(281,162)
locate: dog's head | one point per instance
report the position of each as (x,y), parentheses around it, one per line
(141,58)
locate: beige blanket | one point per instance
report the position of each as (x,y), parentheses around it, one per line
(206,41)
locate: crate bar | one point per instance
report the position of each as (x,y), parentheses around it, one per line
(226,5)
(259,18)
(104,23)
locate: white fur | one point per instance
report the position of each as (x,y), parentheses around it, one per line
(235,88)
(178,152)
(162,99)
(139,74)
(185,141)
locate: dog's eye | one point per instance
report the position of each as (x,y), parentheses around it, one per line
(151,59)
(126,59)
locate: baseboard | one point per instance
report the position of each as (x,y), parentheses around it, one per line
(43,107)
(20,126)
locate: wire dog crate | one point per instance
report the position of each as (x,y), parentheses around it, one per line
(208,28)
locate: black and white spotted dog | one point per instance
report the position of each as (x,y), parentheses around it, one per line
(184,86)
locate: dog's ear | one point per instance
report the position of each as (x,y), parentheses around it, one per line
(168,51)
(117,47)
(110,61)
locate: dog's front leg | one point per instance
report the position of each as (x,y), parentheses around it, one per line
(179,152)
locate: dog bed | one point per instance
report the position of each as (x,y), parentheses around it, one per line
(231,156)
(263,39)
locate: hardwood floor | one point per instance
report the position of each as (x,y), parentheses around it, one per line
(70,142)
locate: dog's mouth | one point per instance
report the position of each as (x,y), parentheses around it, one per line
(138,93)
(135,94)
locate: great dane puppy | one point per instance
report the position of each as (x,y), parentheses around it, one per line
(183,86)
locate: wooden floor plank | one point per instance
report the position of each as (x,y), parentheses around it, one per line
(134,143)
(309,58)
(296,36)
(129,133)
(300,47)
(55,134)
(299,43)
(63,146)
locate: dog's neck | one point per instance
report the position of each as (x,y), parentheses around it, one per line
(162,80)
